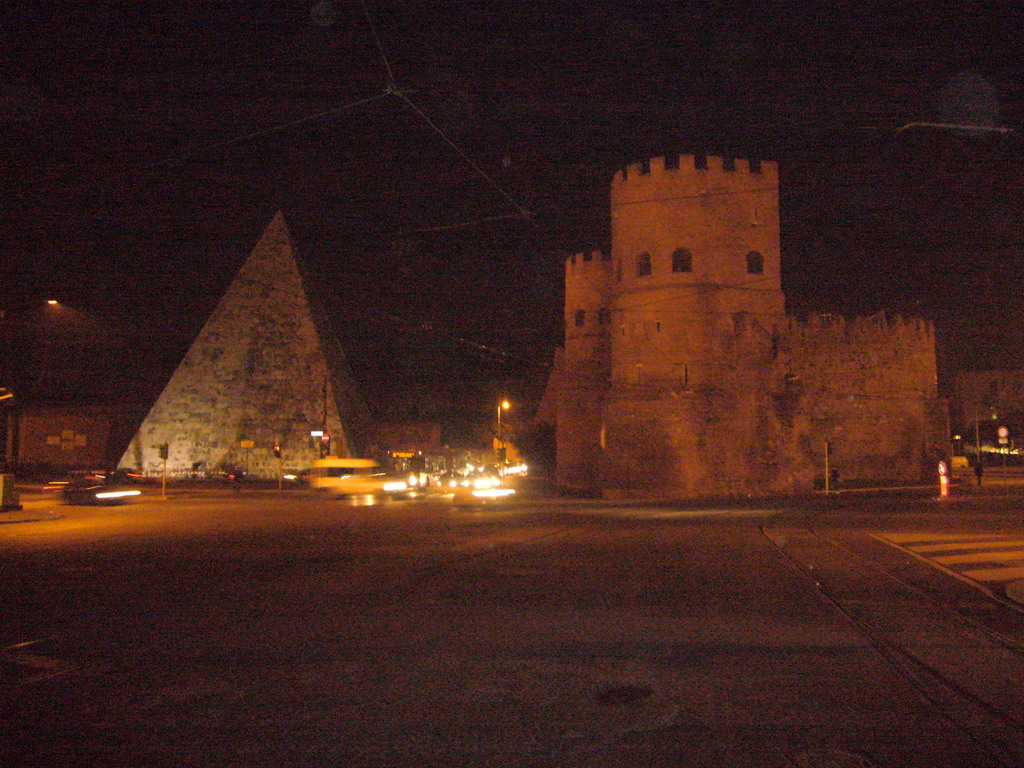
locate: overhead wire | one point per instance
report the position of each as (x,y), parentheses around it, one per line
(461,224)
(390,87)
(523,213)
(278,128)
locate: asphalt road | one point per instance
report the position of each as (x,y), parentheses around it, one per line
(278,629)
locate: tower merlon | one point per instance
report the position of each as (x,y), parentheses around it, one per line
(698,165)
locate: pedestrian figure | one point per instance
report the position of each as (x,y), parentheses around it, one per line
(979,470)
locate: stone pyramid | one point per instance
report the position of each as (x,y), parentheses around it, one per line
(264,371)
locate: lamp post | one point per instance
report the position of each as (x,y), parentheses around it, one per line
(977,439)
(504,405)
(7,428)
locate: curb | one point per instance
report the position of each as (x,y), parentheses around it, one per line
(1015,591)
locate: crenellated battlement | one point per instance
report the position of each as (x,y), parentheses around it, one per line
(583,257)
(589,267)
(882,329)
(705,169)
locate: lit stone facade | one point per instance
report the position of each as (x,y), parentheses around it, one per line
(684,377)
(264,371)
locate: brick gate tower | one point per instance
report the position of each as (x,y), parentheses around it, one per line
(684,376)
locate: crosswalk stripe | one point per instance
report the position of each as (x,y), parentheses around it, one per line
(968,545)
(996,574)
(960,554)
(981,557)
(909,538)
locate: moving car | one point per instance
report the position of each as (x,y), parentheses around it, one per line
(357,477)
(477,484)
(96,488)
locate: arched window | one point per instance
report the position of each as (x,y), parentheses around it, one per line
(682,260)
(755,263)
(581,317)
(643,264)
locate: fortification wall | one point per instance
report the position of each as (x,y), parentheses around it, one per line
(758,419)
(868,388)
(724,432)
(581,397)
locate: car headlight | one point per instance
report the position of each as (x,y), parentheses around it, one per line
(395,485)
(116,494)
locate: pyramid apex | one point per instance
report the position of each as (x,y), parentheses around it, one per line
(273,243)
(277,222)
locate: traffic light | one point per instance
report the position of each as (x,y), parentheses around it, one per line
(325,446)
(163,451)
(277,450)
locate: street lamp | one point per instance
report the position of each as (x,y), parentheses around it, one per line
(504,405)
(977,439)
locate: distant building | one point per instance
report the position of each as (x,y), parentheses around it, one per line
(986,395)
(407,437)
(65,437)
(66,407)
(684,377)
(987,410)
(264,371)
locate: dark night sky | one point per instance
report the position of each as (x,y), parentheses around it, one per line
(146,145)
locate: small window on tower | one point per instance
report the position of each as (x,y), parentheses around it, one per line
(581,317)
(643,264)
(682,260)
(604,316)
(755,263)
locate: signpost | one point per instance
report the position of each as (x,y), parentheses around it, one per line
(828,452)
(164,451)
(247,445)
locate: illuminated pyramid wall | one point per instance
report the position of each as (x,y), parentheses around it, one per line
(264,371)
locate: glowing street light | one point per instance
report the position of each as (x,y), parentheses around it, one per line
(504,405)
